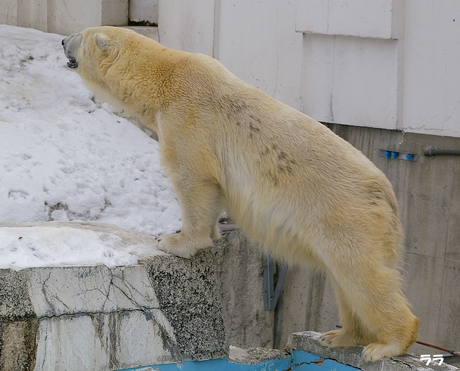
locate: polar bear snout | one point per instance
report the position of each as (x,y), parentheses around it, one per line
(71,45)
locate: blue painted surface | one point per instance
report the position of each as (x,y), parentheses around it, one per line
(300,356)
(219,364)
(303,362)
(333,365)
(300,361)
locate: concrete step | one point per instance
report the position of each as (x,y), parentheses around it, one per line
(162,310)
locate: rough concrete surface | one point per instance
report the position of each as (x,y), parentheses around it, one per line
(308,341)
(255,355)
(163,310)
(240,276)
(189,298)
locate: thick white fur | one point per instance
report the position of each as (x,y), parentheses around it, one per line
(295,187)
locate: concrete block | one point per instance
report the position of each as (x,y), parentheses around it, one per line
(453,231)
(163,310)
(101,341)
(69,343)
(72,290)
(308,341)
(307,301)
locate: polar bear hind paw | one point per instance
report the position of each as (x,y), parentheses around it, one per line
(376,351)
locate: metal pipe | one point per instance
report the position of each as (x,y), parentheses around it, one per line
(437,347)
(442,152)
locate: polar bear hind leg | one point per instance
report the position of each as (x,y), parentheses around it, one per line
(353,332)
(373,310)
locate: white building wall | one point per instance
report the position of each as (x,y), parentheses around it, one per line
(258,43)
(432,67)
(64,17)
(9,12)
(187,25)
(390,64)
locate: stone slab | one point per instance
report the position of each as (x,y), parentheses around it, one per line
(163,310)
(308,341)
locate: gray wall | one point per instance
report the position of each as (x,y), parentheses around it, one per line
(428,193)
(240,270)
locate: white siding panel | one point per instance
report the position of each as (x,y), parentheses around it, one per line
(432,67)
(351,80)
(362,18)
(258,43)
(187,25)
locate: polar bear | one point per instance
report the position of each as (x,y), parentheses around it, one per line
(293,186)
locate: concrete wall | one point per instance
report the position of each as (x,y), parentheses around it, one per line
(240,273)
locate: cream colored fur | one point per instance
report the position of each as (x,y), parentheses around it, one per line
(295,187)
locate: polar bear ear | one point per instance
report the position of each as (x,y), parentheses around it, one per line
(102,41)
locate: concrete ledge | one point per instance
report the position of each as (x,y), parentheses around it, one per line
(314,354)
(163,310)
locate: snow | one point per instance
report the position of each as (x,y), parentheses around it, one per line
(64,157)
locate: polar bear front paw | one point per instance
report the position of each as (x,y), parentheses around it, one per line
(338,339)
(176,244)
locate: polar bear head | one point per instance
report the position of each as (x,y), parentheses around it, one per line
(93,49)
(92,52)
(131,72)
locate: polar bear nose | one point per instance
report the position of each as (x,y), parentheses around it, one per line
(62,42)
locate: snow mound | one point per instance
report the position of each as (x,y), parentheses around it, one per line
(63,156)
